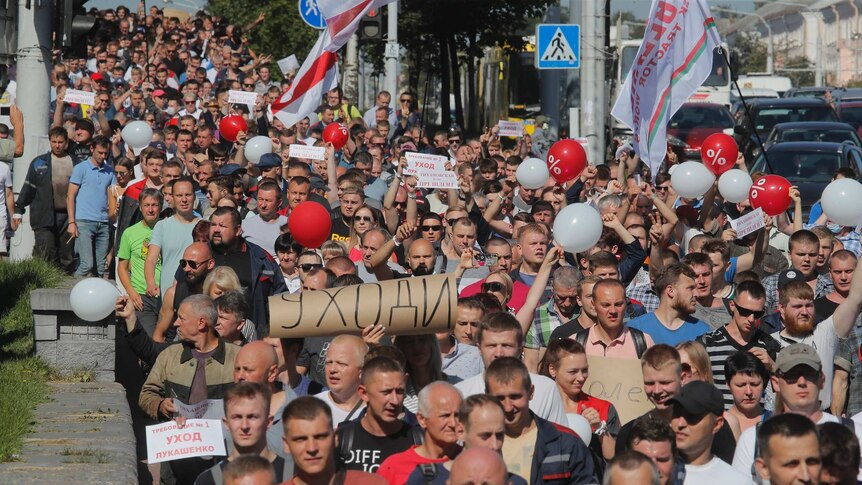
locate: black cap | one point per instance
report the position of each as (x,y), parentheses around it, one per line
(789,276)
(231,169)
(700,397)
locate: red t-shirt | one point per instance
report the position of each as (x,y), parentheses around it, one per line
(600,405)
(397,468)
(519,293)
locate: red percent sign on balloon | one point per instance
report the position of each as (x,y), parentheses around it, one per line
(719,152)
(770,193)
(566,160)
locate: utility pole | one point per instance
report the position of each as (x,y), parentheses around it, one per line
(392,49)
(593,103)
(33,98)
(351,71)
(549,84)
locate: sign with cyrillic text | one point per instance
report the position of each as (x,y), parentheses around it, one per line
(288,64)
(748,223)
(242,97)
(309,152)
(199,437)
(621,382)
(430,170)
(209,409)
(510,128)
(77,96)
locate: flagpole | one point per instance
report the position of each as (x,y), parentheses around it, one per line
(745,109)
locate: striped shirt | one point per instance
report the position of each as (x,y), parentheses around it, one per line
(720,345)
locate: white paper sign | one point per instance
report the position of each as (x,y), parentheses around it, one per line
(288,64)
(437,180)
(511,128)
(748,223)
(430,171)
(242,97)
(306,151)
(80,97)
(209,409)
(199,437)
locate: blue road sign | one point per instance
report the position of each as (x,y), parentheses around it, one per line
(310,14)
(558,46)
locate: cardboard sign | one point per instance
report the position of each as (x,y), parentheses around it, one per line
(199,437)
(306,151)
(619,381)
(417,305)
(242,97)
(748,223)
(288,64)
(209,409)
(76,96)
(511,128)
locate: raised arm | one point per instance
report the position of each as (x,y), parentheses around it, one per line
(537,289)
(846,313)
(17,119)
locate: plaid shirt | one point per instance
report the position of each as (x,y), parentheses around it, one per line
(545,321)
(847,358)
(851,242)
(645,295)
(770,284)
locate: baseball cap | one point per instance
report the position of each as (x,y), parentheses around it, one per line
(159,92)
(318,183)
(269,160)
(160,146)
(797,354)
(231,169)
(789,276)
(700,397)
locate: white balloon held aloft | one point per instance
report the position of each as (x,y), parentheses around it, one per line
(577,228)
(532,173)
(691,179)
(137,134)
(93,299)
(581,427)
(257,147)
(842,202)
(734,184)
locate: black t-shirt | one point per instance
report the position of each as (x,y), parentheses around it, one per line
(723,445)
(78,151)
(367,451)
(313,356)
(240,262)
(824,308)
(340,230)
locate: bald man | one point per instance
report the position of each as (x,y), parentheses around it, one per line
(478,465)
(196,264)
(342,367)
(341,265)
(421,257)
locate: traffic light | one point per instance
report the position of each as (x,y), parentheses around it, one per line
(74,28)
(371,26)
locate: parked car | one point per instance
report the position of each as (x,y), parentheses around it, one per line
(692,124)
(827,131)
(766,113)
(809,165)
(810,92)
(851,113)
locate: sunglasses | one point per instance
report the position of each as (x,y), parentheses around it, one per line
(431,228)
(405,100)
(662,188)
(193,264)
(399,204)
(363,218)
(306,267)
(248,85)
(493,286)
(454,142)
(745,312)
(794,374)
(451,222)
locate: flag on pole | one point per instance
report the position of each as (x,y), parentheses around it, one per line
(674,59)
(319,72)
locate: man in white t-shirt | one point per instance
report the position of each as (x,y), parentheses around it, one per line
(500,335)
(343,367)
(8,199)
(698,412)
(798,378)
(789,451)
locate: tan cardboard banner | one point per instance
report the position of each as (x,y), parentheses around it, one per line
(423,304)
(621,382)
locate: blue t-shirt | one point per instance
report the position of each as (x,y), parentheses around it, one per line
(91,202)
(730,273)
(690,330)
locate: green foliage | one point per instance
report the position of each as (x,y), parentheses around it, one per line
(751,52)
(800,78)
(23,385)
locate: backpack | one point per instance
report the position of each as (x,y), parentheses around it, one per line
(637,335)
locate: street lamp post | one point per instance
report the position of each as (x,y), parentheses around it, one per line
(770,47)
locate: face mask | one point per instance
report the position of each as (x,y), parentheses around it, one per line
(833,228)
(170,110)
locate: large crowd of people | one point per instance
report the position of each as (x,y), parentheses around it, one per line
(748,346)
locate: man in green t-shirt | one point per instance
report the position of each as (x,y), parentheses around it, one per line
(132,255)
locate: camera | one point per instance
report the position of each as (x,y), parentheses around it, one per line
(485,259)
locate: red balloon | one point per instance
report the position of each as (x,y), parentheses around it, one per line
(566,160)
(771,193)
(337,134)
(230,126)
(719,152)
(309,224)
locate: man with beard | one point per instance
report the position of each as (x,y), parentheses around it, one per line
(673,322)
(803,248)
(796,308)
(421,257)
(196,264)
(258,272)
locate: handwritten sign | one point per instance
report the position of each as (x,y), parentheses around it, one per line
(511,128)
(423,304)
(209,409)
(199,437)
(748,223)
(430,171)
(242,97)
(309,152)
(621,382)
(288,64)
(77,96)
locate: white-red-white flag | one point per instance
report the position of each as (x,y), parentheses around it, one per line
(319,72)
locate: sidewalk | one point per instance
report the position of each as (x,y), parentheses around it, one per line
(82,435)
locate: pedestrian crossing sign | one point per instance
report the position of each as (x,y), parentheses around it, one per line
(558,46)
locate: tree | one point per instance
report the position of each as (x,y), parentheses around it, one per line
(751,52)
(802,73)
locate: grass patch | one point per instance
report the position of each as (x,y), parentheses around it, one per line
(23,377)
(84,456)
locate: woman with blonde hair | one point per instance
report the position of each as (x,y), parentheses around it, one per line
(695,362)
(499,284)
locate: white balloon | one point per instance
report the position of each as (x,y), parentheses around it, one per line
(691,179)
(137,134)
(734,184)
(532,173)
(256,148)
(578,227)
(842,202)
(93,299)
(581,427)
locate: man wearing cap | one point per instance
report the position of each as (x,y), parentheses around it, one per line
(697,417)
(799,378)
(803,249)
(270,167)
